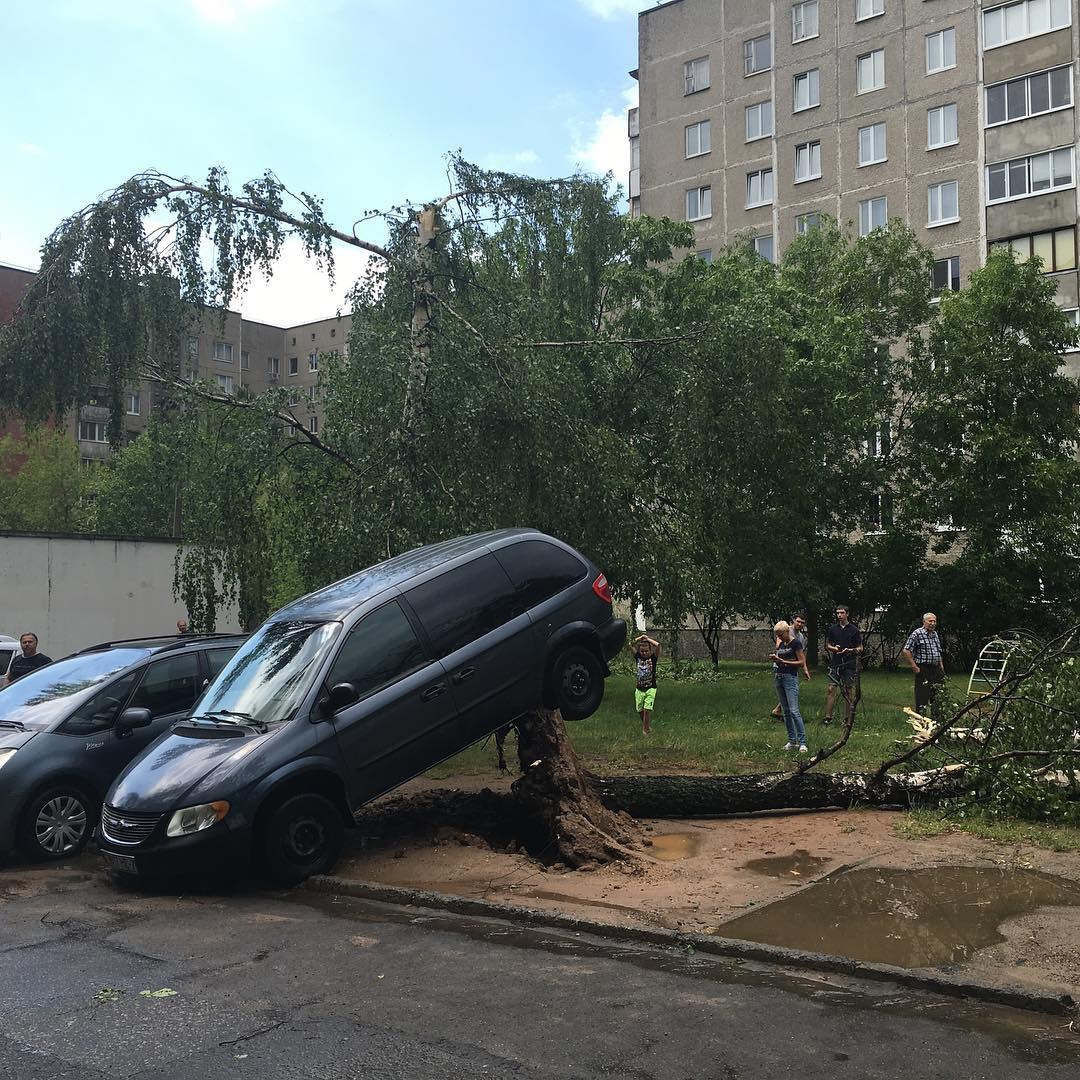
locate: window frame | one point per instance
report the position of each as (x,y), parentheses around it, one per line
(813,83)
(690,76)
(942,109)
(948,260)
(1008,241)
(809,146)
(225,382)
(220,347)
(884,144)
(940,34)
(1028,193)
(749,53)
(869,202)
(801,225)
(294,366)
(1026,80)
(134,396)
(1026,5)
(858,68)
(760,174)
(771,256)
(99,426)
(931,223)
(813,5)
(760,105)
(872,14)
(704,193)
(698,126)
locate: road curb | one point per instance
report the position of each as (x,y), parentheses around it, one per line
(1013,996)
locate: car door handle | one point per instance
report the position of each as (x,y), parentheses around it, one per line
(462,675)
(433,692)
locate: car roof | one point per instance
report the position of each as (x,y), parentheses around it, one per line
(167,644)
(338,599)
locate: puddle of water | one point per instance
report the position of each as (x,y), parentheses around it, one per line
(910,918)
(670,847)
(799,864)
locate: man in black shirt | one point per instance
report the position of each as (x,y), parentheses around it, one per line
(29,659)
(843,643)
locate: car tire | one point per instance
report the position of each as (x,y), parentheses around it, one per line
(303,836)
(56,823)
(576,683)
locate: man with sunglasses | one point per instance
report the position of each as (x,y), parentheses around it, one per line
(843,643)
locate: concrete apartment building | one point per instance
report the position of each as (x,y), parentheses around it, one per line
(239,355)
(958,116)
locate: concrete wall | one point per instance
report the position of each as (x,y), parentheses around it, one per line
(74,591)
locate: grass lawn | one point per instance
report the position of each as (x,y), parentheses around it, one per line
(721,725)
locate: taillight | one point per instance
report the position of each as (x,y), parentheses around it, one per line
(601,588)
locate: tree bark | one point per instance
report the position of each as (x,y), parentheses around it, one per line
(565,821)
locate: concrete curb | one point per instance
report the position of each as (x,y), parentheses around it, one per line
(1013,996)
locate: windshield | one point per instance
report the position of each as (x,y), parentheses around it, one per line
(267,678)
(50,693)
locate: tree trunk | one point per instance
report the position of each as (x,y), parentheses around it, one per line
(566,822)
(710,796)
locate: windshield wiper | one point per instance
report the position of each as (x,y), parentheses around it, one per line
(18,725)
(233,712)
(223,716)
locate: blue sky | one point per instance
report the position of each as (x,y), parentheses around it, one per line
(355,100)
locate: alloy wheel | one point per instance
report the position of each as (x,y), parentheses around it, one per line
(60,825)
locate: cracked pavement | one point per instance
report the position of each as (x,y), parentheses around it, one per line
(302,986)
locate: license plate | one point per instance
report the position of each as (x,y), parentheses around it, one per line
(125,864)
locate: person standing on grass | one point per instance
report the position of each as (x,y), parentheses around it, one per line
(798,633)
(787,660)
(646,654)
(843,643)
(922,651)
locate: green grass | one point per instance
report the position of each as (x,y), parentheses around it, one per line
(721,726)
(921,824)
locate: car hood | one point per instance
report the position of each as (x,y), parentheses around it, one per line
(175,768)
(10,739)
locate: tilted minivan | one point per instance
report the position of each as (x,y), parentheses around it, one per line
(351,690)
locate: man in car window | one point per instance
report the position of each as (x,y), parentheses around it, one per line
(27,659)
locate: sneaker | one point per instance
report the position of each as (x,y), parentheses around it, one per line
(789,746)
(804,749)
(826,720)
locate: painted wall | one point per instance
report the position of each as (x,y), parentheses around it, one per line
(74,591)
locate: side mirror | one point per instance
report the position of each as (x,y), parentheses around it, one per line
(341,695)
(131,719)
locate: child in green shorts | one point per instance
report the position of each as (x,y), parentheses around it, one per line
(646,654)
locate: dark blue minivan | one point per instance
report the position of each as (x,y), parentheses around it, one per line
(353,689)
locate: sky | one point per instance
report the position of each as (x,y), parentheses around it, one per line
(357,101)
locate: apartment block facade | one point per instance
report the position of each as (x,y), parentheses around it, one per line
(758,116)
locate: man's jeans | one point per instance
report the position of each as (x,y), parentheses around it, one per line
(927,684)
(787,690)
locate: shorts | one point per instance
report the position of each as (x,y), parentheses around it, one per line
(845,674)
(643,699)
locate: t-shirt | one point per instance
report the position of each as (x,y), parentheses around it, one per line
(645,667)
(800,638)
(23,665)
(843,637)
(786,650)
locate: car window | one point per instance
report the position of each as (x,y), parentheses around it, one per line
(216,659)
(169,686)
(539,570)
(464,604)
(101,711)
(379,650)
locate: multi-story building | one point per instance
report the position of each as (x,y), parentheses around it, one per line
(239,355)
(758,116)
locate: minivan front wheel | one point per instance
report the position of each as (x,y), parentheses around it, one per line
(576,684)
(303,836)
(56,823)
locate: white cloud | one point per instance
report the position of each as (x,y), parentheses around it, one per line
(32,149)
(613,9)
(602,145)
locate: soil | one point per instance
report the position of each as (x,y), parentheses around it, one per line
(451,836)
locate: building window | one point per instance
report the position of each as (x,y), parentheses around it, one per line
(294,365)
(698,139)
(93,431)
(313,394)
(635,212)
(759,120)
(946,274)
(696,75)
(872,144)
(294,340)
(245,360)
(804,20)
(1011,22)
(805,223)
(225,383)
(808,161)
(333,331)
(867,9)
(193,347)
(635,152)
(759,188)
(1057,249)
(763,247)
(1029,175)
(313,361)
(940,50)
(1029,96)
(133,403)
(698,203)
(870,71)
(873,214)
(943,203)
(223,352)
(807,90)
(1073,315)
(313,335)
(757,55)
(313,425)
(91,462)
(273,366)
(705,255)
(941,127)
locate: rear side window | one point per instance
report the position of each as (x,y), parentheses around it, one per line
(379,650)
(169,686)
(101,711)
(539,571)
(464,604)
(216,659)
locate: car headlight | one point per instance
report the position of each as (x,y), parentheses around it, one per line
(6,754)
(194,819)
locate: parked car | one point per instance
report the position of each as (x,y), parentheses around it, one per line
(350,691)
(9,646)
(66,730)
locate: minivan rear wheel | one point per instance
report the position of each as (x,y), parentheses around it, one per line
(56,823)
(303,836)
(576,683)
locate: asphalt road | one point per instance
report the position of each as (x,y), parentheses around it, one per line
(301,986)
